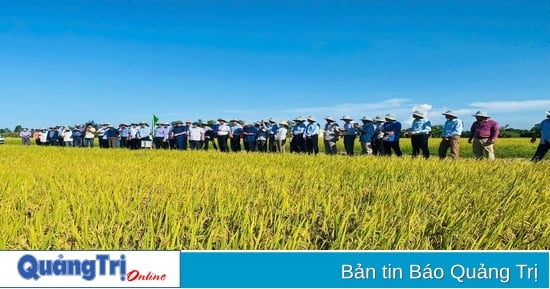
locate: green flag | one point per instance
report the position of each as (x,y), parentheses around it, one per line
(155,119)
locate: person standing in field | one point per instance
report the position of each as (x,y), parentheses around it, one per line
(420,132)
(36,136)
(250,132)
(542,129)
(298,141)
(366,135)
(44,137)
(223,134)
(144,135)
(272,127)
(89,135)
(179,134)
(331,135)
(392,133)
(196,136)
(450,136)
(77,136)
(312,136)
(25,136)
(68,137)
(235,135)
(124,135)
(53,136)
(350,133)
(483,135)
(280,136)
(377,142)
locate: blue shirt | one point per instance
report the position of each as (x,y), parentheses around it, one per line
(367,132)
(124,132)
(180,129)
(250,133)
(236,130)
(274,127)
(544,127)
(299,128)
(392,129)
(452,127)
(144,132)
(349,129)
(421,126)
(312,129)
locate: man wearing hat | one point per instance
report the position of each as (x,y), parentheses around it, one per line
(180,134)
(312,135)
(25,136)
(89,134)
(350,133)
(77,136)
(132,137)
(280,136)
(483,135)
(420,132)
(392,133)
(144,135)
(542,129)
(161,136)
(196,136)
(223,134)
(124,135)
(366,134)
(331,135)
(450,136)
(235,135)
(377,142)
(272,127)
(298,142)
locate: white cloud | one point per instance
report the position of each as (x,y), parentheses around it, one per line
(513,106)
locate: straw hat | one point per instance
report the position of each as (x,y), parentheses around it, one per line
(379,119)
(548,113)
(481,114)
(418,113)
(390,116)
(450,113)
(329,118)
(283,123)
(272,120)
(366,118)
(311,118)
(346,117)
(222,119)
(300,118)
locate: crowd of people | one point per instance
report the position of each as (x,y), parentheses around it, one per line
(378,136)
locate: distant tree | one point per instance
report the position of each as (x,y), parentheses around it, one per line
(93,123)
(5,130)
(211,122)
(18,128)
(437,130)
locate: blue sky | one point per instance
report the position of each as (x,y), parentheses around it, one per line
(66,62)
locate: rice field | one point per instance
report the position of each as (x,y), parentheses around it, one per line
(65,198)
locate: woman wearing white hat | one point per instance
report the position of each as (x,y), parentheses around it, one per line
(543,129)
(419,132)
(483,135)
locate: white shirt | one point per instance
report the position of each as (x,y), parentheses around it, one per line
(195,133)
(281,133)
(67,136)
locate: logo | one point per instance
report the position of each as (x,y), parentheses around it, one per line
(31,268)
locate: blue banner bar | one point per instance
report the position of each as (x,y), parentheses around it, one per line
(364,269)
